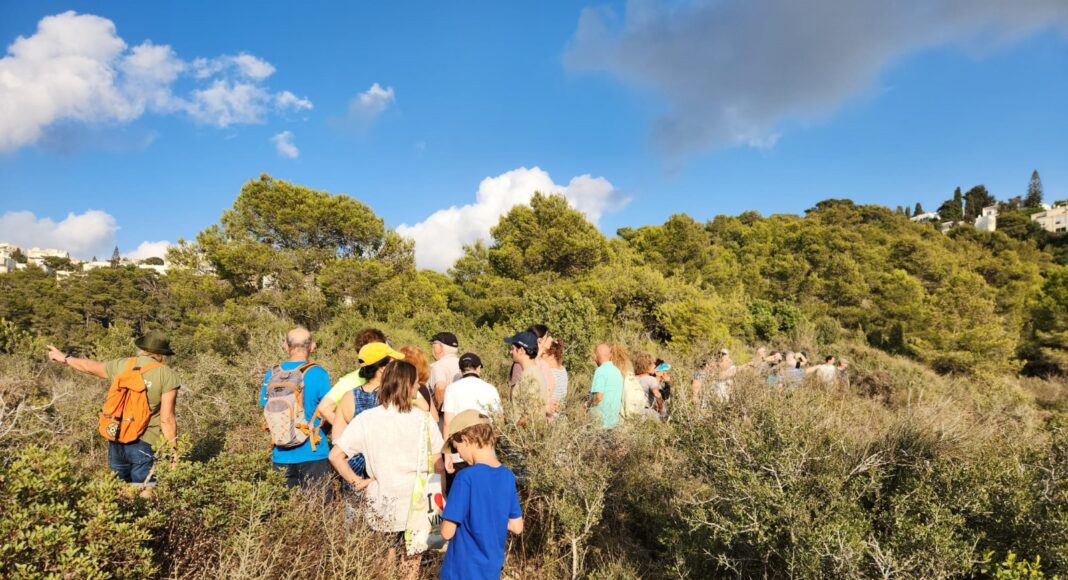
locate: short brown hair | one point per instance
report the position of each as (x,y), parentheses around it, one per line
(417,357)
(366,336)
(397,383)
(481,436)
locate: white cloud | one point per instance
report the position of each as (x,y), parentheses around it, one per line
(732,71)
(82,235)
(440,238)
(150,250)
(226,103)
(287,100)
(244,64)
(283,143)
(368,105)
(76,68)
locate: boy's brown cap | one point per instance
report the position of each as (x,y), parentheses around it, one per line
(461,421)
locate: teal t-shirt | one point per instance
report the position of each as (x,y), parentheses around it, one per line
(608,381)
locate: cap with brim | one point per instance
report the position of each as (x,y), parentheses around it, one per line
(461,421)
(376,351)
(524,339)
(155,342)
(446,338)
(470,360)
(663,367)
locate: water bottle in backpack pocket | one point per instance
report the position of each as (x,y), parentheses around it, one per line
(283,414)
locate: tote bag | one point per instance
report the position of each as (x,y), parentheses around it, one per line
(423,530)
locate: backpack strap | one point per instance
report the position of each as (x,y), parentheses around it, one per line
(310,428)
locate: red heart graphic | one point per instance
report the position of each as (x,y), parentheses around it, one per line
(439,500)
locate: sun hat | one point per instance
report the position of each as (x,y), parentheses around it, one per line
(375,351)
(155,342)
(461,421)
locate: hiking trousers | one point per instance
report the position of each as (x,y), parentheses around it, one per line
(132,462)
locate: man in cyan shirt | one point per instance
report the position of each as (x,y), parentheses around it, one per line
(606,393)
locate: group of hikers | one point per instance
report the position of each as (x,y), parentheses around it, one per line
(413,440)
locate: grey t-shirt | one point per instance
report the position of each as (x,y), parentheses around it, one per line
(648,383)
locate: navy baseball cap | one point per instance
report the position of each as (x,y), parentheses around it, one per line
(524,339)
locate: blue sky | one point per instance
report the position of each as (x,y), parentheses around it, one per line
(668,107)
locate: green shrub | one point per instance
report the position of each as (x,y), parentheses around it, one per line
(60,521)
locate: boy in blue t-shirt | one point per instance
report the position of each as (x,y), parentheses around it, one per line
(482,505)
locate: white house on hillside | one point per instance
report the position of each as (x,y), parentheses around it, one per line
(988,221)
(1054,219)
(930,216)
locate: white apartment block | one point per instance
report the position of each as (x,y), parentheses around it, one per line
(988,221)
(1054,219)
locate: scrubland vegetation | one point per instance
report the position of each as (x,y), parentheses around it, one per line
(945,455)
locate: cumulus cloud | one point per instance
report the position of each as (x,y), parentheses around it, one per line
(75,68)
(732,71)
(370,104)
(286,100)
(81,235)
(283,143)
(150,250)
(440,238)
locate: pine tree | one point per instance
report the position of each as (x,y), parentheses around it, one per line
(918,210)
(899,211)
(975,200)
(908,212)
(952,210)
(1034,191)
(115,257)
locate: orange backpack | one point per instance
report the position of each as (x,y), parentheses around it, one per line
(126,411)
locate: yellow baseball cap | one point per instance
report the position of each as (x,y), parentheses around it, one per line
(376,351)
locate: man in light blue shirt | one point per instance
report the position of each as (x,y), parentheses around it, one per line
(302,464)
(606,394)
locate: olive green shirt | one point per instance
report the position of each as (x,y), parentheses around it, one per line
(158,381)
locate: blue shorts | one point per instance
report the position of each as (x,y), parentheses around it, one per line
(132,462)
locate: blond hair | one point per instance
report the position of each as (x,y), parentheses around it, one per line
(621,357)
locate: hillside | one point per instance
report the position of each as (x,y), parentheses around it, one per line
(945,455)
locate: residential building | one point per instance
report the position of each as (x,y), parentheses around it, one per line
(930,216)
(988,220)
(96,264)
(1054,219)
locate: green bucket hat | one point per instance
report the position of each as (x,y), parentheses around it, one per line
(155,342)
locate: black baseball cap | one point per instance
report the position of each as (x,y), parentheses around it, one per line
(446,338)
(470,361)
